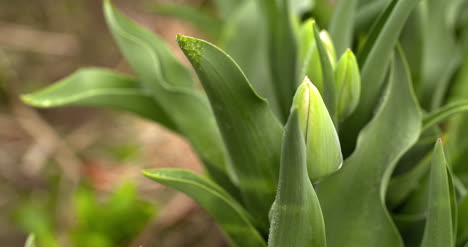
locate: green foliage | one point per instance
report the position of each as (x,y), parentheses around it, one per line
(113,222)
(393,188)
(95,220)
(296,217)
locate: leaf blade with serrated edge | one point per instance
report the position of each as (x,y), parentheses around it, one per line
(361,201)
(250,130)
(228,213)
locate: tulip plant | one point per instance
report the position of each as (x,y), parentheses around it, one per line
(309,137)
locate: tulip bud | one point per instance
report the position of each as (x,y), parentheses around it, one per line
(348,84)
(309,55)
(322,144)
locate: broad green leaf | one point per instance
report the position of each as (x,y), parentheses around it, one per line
(171,85)
(351,218)
(457,143)
(342,24)
(374,61)
(283,52)
(101,88)
(30,241)
(250,130)
(245,39)
(194,15)
(296,215)
(445,112)
(228,213)
(441,54)
(441,212)
(322,144)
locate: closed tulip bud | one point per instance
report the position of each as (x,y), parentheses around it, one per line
(348,84)
(309,56)
(322,144)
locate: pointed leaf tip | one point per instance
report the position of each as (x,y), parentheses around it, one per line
(191,47)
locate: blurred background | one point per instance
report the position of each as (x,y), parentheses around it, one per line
(72,175)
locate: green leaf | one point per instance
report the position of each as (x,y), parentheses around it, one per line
(441,53)
(296,215)
(411,227)
(171,84)
(374,61)
(367,13)
(412,41)
(250,130)
(329,85)
(342,24)
(228,213)
(462,231)
(250,50)
(351,218)
(401,186)
(441,213)
(283,51)
(30,241)
(101,88)
(457,143)
(193,15)
(444,113)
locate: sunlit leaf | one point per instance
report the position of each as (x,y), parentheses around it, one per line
(101,88)
(171,84)
(251,132)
